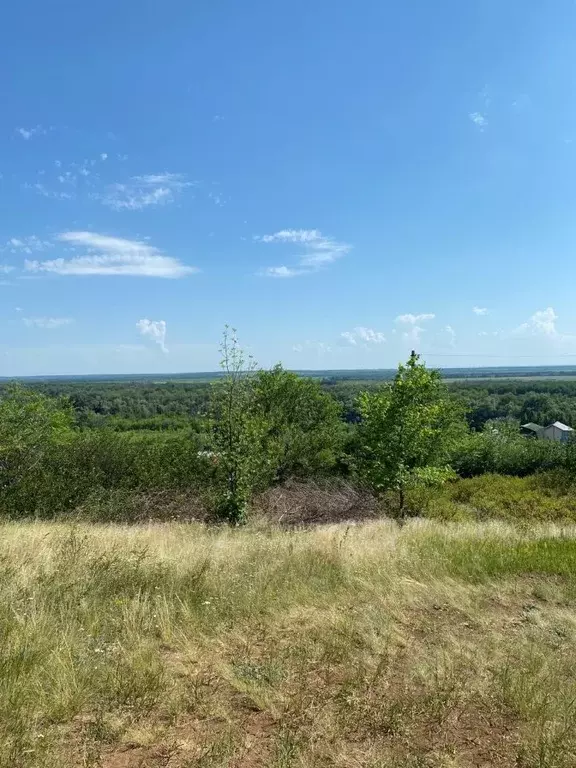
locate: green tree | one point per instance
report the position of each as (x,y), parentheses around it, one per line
(301,428)
(31,425)
(236,434)
(406,431)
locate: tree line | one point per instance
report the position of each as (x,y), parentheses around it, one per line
(251,429)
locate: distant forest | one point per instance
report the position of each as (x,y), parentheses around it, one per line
(128,405)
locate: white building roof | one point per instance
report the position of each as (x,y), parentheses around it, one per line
(559,425)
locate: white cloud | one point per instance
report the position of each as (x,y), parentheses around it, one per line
(143,191)
(103,156)
(414,331)
(480,311)
(155,330)
(542,323)
(26,244)
(413,319)
(281,272)
(319,250)
(28,133)
(479,120)
(362,336)
(48,323)
(451,334)
(5,268)
(291,236)
(112,256)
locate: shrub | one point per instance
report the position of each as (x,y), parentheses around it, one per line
(480,452)
(541,497)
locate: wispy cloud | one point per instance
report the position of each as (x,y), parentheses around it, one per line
(450,334)
(480,311)
(111,256)
(28,244)
(412,322)
(47,323)
(281,272)
(42,189)
(361,336)
(143,191)
(5,269)
(155,330)
(317,346)
(29,133)
(479,120)
(414,319)
(318,250)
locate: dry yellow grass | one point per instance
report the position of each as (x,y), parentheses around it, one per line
(430,646)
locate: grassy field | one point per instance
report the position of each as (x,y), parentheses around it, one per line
(425,646)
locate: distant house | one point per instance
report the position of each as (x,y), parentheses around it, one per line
(557,431)
(531,429)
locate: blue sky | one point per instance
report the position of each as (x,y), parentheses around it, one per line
(340,181)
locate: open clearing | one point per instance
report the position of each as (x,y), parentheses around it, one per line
(370,645)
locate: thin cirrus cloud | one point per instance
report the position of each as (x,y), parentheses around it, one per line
(111,256)
(361,336)
(318,251)
(47,323)
(154,330)
(52,194)
(143,191)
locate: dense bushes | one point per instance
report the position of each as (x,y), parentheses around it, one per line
(60,475)
(507,453)
(536,498)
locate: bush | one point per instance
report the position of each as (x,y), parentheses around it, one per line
(93,462)
(481,452)
(549,496)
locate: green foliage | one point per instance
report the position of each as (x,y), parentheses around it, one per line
(406,431)
(302,432)
(503,450)
(31,427)
(104,446)
(236,433)
(546,496)
(542,402)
